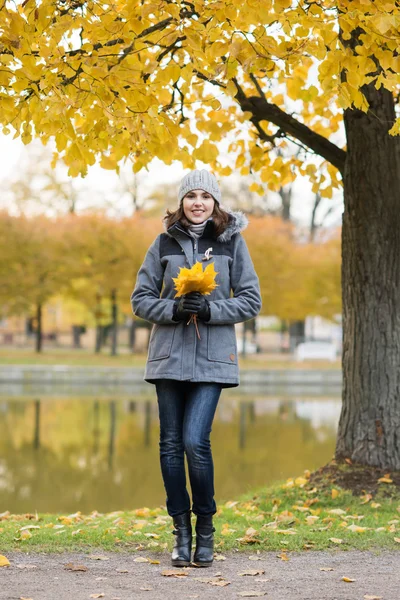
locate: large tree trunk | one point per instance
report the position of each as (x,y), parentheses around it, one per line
(369,427)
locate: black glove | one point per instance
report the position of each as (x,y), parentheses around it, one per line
(179,313)
(198,304)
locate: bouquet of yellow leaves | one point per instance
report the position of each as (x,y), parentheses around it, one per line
(195,280)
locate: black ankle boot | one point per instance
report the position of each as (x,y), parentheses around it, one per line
(183,543)
(204,553)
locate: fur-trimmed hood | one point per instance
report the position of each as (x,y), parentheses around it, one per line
(237,223)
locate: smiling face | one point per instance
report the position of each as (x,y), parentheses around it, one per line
(198,206)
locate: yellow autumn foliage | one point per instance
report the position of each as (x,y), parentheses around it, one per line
(127,85)
(196,280)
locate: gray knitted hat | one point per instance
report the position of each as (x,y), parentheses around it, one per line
(199,180)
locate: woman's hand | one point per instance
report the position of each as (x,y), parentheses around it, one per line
(193,303)
(196,303)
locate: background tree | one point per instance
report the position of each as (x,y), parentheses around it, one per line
(107,254)
(271,72)
(35,266)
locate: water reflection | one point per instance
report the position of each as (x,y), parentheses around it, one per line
(64,455)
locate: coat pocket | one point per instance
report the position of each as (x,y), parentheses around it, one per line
(221,344)
(160,343)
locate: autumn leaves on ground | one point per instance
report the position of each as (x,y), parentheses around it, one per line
(311,512)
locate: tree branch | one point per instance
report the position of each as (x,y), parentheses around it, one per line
(262,110)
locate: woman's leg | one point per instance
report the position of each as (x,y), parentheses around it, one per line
(171,408)
(201,403)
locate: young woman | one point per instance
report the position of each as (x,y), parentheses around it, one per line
(189,372)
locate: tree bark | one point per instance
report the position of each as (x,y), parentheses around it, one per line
(99,338)
(39,337)
(132,335)
(114,316)
(369,426)
(297,331)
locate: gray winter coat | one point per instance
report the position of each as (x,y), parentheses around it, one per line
(175,352)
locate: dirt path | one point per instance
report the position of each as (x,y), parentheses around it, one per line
(44,577)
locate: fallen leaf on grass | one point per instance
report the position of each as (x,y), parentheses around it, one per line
(397,540)
(171,573)
(251,594)
(337,511)
(366,498)
(98,557)
(336,540)
(72,567)
(385,479)
(326,569)
(357,529)
(335,493)
(347,579)
(29,527)
(4,562)
(226,530)
(253,572)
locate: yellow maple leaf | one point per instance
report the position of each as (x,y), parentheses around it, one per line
(196,280)
(4,562)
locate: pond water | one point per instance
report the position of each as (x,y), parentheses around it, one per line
(64,454)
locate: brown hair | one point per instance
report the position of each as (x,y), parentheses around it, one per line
(219,216)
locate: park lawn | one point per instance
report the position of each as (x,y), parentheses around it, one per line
(85,358)
(288,516)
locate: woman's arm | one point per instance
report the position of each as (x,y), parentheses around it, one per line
(246,301)
(145,298)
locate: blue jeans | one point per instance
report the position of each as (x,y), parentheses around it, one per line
(186,411)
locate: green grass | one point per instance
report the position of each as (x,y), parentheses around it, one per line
(274,518)
(83,358)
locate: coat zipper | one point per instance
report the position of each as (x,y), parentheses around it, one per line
(194,250)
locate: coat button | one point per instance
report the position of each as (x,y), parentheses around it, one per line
(232,356)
